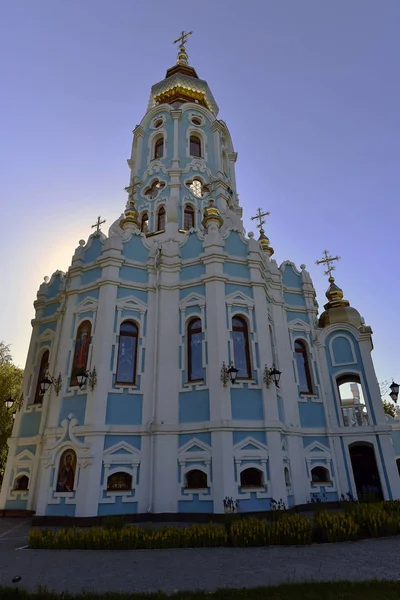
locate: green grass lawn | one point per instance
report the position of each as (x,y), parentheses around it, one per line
(341,590)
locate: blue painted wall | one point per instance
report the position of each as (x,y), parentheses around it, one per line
(124,409)
(195,505)
(135,250)
(94,249)
(234,245)
(194,406)
(73,404)
(290,278)
(61,510)
(117,508)
(246,404)
(312,414)
(30,423)
(134,274)
(90,275)
(192,248)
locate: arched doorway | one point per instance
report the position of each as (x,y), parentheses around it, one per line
(365,471)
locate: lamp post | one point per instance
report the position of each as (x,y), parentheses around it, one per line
(47,381)
(273,375)
(394,391)
(228,374)
(83,376)
(9,402)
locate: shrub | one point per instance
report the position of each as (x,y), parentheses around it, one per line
(289,529)
(129,538)
(335,527)
(375,520)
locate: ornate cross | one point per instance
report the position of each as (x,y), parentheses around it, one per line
(98,223)
(327,260)
(259,216)
(183,37)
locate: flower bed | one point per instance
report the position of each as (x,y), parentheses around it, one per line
(357,521)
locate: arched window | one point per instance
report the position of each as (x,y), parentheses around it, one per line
(241,353)
(303,367)
(44,365)
(127,353)
(21,483)
(152,191)
(354,409)
(161,219)
(159,148)
(398,465)
(66,471)
(194,350)
(320,475)
(118,482)
(144,223)
(251,478)
(287,477)
(188,217)
(81,353)
(196,480)
(195,146)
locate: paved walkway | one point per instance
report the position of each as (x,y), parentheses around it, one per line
(189,569)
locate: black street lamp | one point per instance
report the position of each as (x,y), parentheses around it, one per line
(232,372)
(9,402)
(272,374)
(394,394)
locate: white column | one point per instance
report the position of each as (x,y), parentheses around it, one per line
(176,115)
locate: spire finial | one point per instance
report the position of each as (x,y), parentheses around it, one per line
(182,58)
(328,260)
(264,241)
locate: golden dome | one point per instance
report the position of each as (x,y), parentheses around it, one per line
(182,84)
(338,310)
(211,213)
(264,243)
(131,214)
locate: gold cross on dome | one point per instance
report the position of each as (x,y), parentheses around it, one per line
(327,260)
(98,223)
(183,37)
(259,216)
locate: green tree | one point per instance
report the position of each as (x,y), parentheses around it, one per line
(389,408)
(10,387)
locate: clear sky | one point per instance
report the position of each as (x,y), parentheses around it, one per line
(309,89)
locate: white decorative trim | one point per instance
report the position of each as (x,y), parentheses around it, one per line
(195,459)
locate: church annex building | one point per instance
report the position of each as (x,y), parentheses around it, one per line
(176,365)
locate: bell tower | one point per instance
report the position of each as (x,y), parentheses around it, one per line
(182,154)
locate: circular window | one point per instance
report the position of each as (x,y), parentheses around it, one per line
(157,123)
(197,121)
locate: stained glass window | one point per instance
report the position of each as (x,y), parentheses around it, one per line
(241,354)
(195,355)
(196,479)
(119,481)
(251,478)
(127,351)
(81,353)
(303,367)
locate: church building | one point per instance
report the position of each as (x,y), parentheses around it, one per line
(176,367)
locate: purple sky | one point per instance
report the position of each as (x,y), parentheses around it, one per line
(310,92)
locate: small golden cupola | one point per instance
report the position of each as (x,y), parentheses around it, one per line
(264,241)
(182,84)
(337,310)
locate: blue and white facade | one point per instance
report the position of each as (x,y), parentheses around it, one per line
(178,271)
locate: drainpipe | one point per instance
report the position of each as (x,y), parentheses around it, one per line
(150,424)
